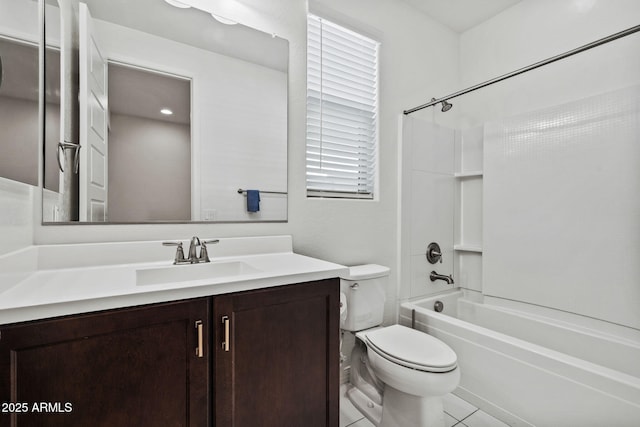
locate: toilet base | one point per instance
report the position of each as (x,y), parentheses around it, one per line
(367,407)
(401,409)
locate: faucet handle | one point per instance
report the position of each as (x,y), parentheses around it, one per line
(204,254)
(179,251)
(434,253)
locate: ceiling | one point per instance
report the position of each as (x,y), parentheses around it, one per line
(461,15)
(143,93)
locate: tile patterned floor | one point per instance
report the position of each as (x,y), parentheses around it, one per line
(457,413)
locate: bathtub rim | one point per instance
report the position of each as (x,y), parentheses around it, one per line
(623,386)
(596,327)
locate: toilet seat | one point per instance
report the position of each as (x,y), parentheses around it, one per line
(412,349)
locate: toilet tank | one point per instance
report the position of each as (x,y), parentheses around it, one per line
(366,289)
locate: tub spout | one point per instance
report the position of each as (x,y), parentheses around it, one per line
(435,276)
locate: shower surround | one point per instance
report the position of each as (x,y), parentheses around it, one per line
(561,207)
(545,210)
(554,243)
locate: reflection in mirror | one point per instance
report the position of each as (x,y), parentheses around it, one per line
(149,146)
(226,86)
(19,91)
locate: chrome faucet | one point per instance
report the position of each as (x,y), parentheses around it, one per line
(195,242)
(193,255)
(435,276)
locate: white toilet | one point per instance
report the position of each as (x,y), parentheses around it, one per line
(398,375)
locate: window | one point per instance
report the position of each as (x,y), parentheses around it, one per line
(342,111)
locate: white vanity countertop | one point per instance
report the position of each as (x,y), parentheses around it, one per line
(60,289)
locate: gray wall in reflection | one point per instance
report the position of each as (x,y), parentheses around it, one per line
(148,160)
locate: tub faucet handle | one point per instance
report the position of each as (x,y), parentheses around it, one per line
(434,253)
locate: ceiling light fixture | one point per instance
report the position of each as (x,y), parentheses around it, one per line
(166,111)
(223,20)
(179,4)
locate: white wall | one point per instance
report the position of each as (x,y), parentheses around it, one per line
(534,30)
(245,142)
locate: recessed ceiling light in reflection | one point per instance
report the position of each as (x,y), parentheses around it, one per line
(166,111)
(223,20)
(179,4)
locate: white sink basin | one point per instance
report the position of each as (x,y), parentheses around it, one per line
(189,272)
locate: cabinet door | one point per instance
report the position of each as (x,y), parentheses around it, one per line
(132,367)
(277,356)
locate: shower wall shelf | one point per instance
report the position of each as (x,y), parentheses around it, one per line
(470,174)
(467,248)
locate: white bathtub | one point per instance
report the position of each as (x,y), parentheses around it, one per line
(530,369)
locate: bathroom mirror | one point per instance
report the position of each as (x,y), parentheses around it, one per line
(157,113)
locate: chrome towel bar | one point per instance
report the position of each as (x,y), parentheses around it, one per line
(240,191)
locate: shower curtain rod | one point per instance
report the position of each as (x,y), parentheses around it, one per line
(529,68)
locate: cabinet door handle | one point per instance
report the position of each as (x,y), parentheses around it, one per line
(200,348)
(225,343)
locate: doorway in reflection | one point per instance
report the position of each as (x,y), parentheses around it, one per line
(149,145)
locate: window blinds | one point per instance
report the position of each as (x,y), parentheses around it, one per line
(342,111)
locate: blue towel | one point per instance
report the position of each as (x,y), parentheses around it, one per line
(253,200)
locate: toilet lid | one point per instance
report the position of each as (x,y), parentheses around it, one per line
(413,349)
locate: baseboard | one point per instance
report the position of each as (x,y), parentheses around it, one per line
(491,409)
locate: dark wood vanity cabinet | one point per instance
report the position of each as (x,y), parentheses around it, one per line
(266,357)
(129,367)
(277,357)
